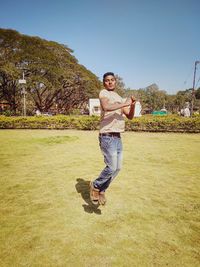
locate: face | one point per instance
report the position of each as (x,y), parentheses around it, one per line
(109,82)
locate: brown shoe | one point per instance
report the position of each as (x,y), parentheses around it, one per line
(94,194)
(102,198)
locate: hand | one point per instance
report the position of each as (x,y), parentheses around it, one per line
(128,102)
(133,99)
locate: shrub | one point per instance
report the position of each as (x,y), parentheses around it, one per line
(170,123)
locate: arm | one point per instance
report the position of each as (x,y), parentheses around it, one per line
(129,111)
(111,107)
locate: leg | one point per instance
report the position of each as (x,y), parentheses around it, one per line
(119,149)
(119,158)
(109,150)
(102,198)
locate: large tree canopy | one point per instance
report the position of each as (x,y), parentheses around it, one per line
(54,76)
(55,79)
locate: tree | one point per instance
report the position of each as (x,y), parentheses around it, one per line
(48,67)
(120,86)
(9,89)
(197,93)
(170,103)
(155,97)
(151,98)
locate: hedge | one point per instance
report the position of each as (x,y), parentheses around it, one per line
(169,123)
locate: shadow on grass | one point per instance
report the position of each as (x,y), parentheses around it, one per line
(83,187)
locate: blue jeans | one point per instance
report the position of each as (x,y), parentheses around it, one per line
(111,148)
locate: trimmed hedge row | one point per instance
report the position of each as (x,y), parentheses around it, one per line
(169,123)
(149,123)
(52,122)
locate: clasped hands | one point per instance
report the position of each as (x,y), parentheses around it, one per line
(130,101)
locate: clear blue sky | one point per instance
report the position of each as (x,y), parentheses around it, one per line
(143,41)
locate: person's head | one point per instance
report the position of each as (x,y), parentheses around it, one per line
(109,81)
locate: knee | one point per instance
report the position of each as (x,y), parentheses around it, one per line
(112,170)
(115,171)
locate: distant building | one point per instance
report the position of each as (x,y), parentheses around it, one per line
(94,107)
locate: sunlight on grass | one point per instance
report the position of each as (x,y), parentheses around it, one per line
(46,218)
(56,139)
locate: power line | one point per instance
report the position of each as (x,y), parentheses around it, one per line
(188,76)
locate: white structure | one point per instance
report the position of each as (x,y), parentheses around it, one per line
(186,110)
(38,113)
(94,107)
(138,109)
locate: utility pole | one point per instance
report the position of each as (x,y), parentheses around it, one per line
(193,87)
(23,81)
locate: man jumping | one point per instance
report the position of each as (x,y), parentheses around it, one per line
(112,124)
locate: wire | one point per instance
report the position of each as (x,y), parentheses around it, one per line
(188,76)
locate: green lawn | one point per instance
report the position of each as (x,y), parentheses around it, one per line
(152,217)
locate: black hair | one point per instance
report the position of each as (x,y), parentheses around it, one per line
(107,74)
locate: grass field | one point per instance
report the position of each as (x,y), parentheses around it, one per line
(152,217)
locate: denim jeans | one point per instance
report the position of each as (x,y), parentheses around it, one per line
(111,148)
